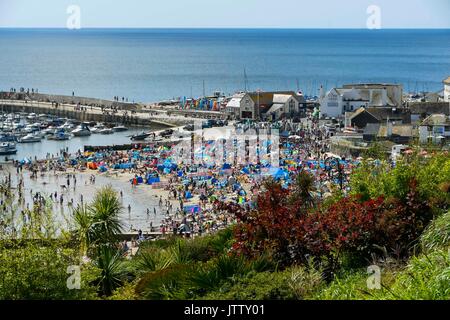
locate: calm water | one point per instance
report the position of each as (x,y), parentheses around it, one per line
(153,64)
(40,149)
(137,198)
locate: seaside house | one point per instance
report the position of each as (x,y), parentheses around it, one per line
(447,89)
(380,115)
(351,97)
(268,106)
(401,134)
(421,110)
(238,102)
(435,129)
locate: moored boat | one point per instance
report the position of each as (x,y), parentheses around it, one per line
(106,131)
(30,138)
(7,148)
(120,128)
(81,131)
(140,137)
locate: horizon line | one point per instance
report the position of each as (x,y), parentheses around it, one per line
(229,28)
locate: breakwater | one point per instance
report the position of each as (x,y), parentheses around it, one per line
(84,113)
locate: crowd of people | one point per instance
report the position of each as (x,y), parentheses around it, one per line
(189,189)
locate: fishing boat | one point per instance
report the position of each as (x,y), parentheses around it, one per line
(7,148)
(30,138)
(120,128)
(81,131)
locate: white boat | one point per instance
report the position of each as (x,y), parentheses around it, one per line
(120,128)
(7,148)
(59,135)
(32,116)
(67,126)
(106,131)
(49,130)
(30,138)
(97,128)
(81,131)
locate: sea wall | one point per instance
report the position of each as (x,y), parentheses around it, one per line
(90,114)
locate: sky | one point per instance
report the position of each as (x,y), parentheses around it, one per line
(225,13)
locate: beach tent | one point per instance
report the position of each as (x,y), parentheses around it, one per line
(245,170)
(192,209)
(92,165)
(277,173)
(152,180)
(25,161)
(188,195)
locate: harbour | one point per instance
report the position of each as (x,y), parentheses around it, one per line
(224,164)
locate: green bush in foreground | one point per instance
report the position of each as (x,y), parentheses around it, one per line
(437,235)
(426,277)
(290,284)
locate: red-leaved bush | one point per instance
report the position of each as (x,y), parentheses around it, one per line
(292,232)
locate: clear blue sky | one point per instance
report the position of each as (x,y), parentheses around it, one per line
(226,13)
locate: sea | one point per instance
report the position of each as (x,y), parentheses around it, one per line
(149,65)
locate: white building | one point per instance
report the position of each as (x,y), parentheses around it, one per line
(283,104)
(264,105)
(351,97)
(447,89)
(240,102)
(435,129)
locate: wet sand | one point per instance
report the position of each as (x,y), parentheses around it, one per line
(140,198)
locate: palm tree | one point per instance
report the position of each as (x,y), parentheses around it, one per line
(83,221)
(105,211)
(303,190)
(108,261)
(98,224)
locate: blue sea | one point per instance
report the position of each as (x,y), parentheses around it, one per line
(148,65)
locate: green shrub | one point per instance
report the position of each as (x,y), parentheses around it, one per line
(352,285)
(290,284)
(126,292)
(437,235)
(35,270)
(374,179)
(167,284)
(427,277)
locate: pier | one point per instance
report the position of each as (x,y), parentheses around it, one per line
(100,110)
(90,113)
